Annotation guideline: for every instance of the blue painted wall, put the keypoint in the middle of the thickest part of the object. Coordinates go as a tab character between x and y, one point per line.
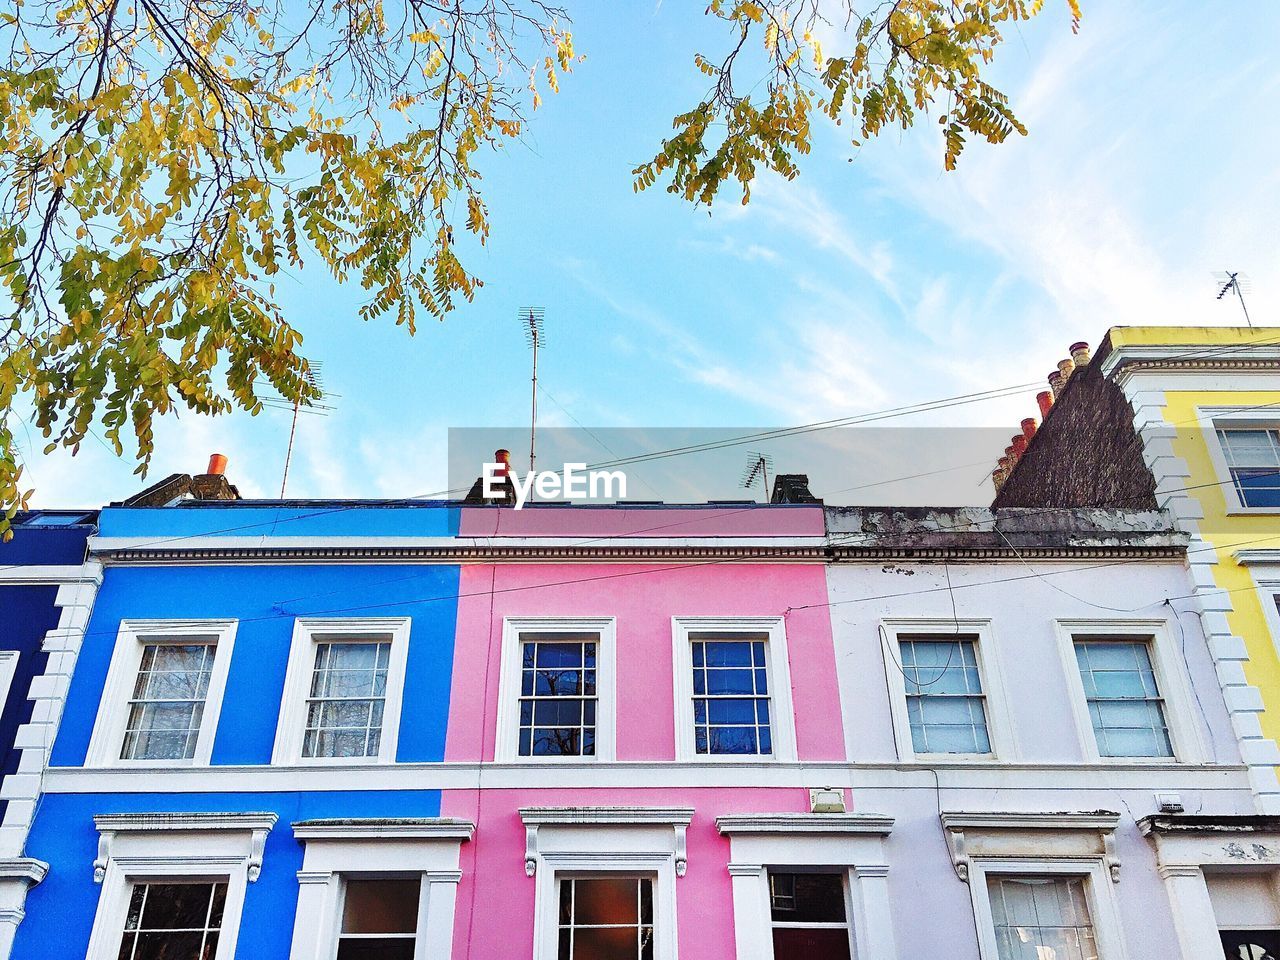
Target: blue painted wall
249	519
60	910
266	599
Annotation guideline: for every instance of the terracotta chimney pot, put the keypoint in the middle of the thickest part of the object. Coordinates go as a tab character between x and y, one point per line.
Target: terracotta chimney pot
1029	428
217	465
1045	399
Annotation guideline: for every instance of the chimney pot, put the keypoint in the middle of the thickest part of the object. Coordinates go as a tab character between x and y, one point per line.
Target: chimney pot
1056	383
217	465
1080	354
1045	399
1019	446
503	459
1066	368
1029	428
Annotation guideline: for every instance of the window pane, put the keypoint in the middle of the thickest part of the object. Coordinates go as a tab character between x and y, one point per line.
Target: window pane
380	906
607	901
557	695
945	706
801	943
731	694
1038	917
173	921
1249	448
168	701
1258	487
375	948
348	696
807	897
1124	702
606	918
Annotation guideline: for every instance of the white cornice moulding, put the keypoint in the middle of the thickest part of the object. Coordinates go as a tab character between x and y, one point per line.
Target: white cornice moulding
677	818
111	825
428	828
822	823
1173	358
1256	558
967	831
52	575
23	868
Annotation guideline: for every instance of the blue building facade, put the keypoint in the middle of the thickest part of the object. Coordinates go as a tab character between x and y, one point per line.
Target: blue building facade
213	582
46	593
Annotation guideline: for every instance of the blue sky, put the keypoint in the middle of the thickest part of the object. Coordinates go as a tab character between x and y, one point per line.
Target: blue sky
863	285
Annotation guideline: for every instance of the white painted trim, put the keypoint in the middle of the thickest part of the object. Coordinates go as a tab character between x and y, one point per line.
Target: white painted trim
600	841
507	736
1172	680
852	844
143	847
1257	557
335	851
1139	775
8	668
1000	727
113	713
782	721
52	575
1098	893
307	632
969	834
796	823
433	828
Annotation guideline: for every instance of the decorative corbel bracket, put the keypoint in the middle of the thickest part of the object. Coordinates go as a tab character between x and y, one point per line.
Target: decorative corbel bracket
682	849
959	854
530	849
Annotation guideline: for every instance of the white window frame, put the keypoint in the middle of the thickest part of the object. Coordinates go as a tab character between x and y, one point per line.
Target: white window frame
1099	896
1000	728
602	842
506	747
1213	419
852	844
8	670
338	850
107	739
307	633
1172	681
782	721
195	848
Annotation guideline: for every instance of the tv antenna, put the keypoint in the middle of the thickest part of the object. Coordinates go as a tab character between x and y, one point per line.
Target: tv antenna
531	320
758	467
1233	281
314	377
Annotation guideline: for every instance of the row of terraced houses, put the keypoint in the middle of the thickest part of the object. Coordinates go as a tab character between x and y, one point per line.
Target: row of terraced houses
334	730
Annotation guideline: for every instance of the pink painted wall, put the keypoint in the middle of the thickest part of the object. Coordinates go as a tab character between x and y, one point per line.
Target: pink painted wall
727	521
495	908
643	598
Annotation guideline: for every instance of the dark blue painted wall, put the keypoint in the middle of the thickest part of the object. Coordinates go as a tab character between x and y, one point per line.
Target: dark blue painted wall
60	910
266	600
27	613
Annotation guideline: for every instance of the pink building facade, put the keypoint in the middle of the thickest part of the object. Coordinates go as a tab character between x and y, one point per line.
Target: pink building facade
841	837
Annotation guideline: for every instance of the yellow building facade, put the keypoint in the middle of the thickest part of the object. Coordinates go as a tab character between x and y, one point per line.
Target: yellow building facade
1206	407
